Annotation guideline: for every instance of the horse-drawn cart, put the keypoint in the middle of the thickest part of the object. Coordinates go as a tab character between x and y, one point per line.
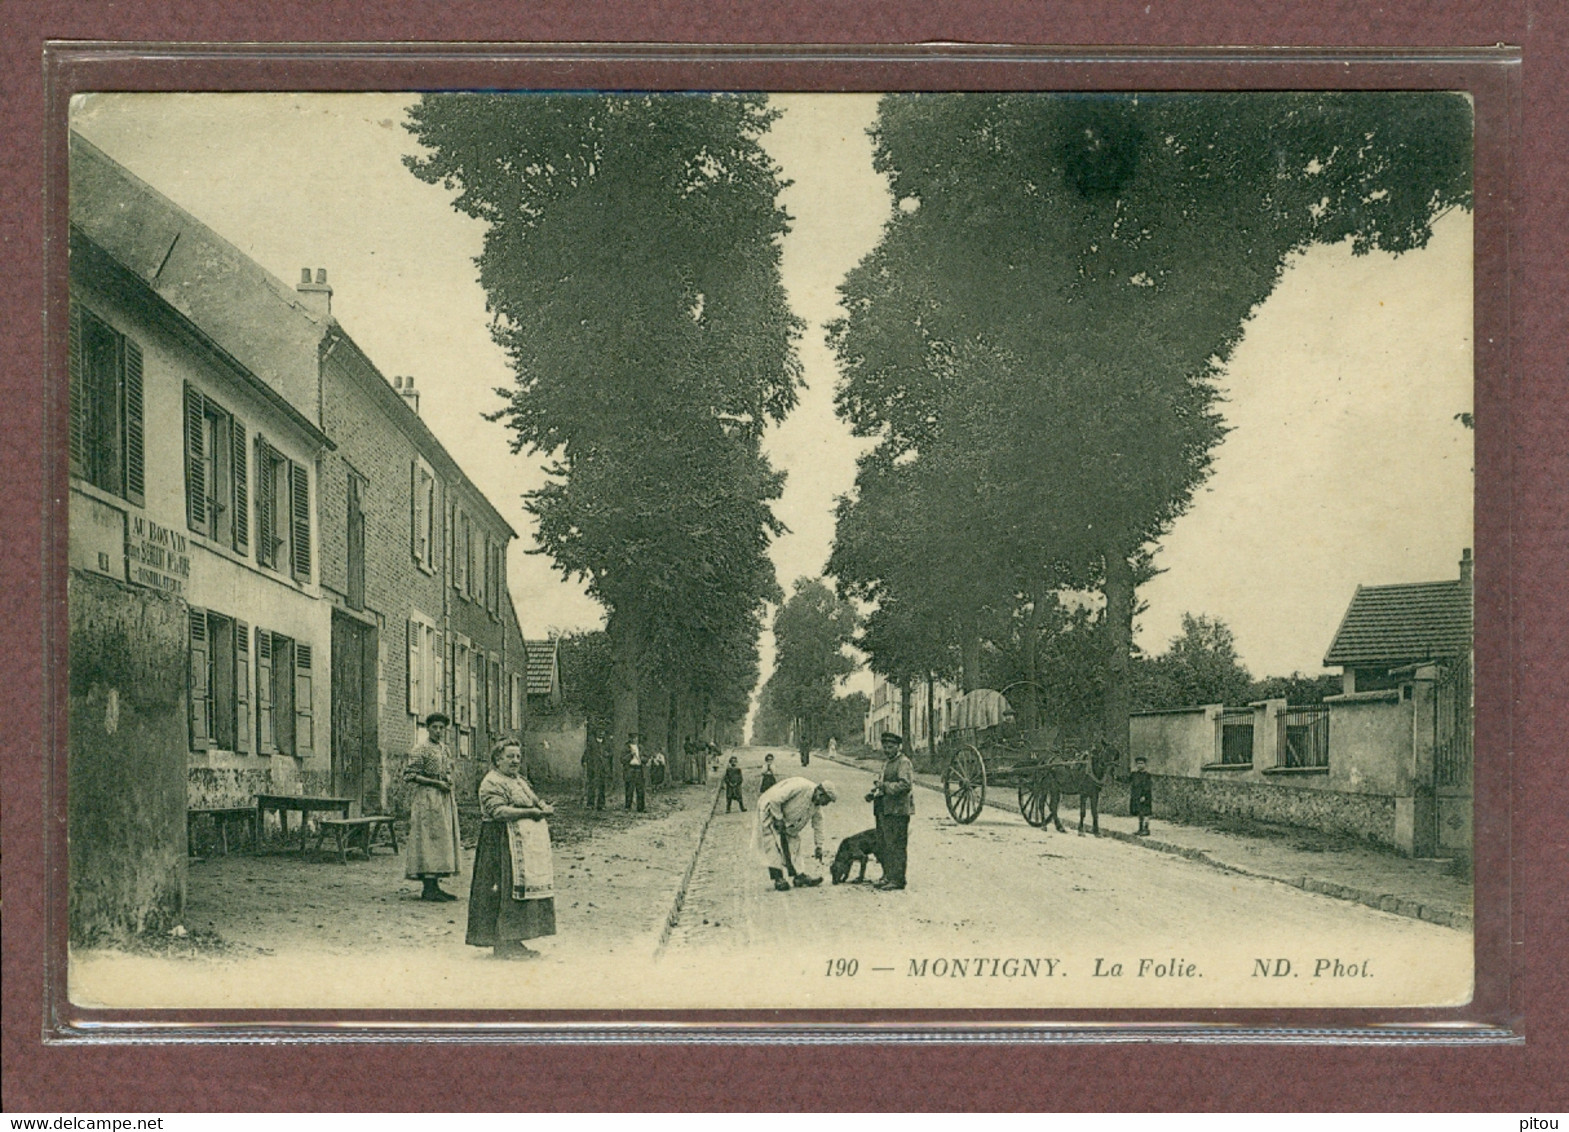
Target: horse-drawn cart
1040	770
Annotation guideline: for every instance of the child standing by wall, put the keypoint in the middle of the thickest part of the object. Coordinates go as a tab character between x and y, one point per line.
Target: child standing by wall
1141	795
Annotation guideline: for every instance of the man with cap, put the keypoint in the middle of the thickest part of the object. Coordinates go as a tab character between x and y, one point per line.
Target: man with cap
431	851
893	801
782	813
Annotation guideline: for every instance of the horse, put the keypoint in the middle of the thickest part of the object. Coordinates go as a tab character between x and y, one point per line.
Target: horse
1084	776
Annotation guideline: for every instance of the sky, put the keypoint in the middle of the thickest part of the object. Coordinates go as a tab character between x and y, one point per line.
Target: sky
1344	465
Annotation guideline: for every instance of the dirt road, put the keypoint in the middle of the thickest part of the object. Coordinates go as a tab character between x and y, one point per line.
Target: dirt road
998	889
996	915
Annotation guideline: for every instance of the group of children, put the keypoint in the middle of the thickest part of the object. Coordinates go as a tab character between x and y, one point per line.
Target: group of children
733	780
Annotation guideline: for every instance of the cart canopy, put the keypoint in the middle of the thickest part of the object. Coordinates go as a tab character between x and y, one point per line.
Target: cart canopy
981	709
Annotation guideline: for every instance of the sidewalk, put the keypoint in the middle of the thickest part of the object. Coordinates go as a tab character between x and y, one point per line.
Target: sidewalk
1305	859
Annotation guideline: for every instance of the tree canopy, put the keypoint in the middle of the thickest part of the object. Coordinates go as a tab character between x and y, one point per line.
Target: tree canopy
631	266
1039	332
811	630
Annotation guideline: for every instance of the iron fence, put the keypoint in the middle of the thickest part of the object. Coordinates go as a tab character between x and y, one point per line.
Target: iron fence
1304	737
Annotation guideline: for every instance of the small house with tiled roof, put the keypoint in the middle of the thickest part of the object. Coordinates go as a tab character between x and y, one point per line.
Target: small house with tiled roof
1389	629
544	675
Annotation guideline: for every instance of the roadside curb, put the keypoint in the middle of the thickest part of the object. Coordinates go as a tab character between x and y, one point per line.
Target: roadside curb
1383	901
674	915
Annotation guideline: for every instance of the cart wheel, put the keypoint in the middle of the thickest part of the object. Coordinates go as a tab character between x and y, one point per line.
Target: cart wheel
964	785
1033	799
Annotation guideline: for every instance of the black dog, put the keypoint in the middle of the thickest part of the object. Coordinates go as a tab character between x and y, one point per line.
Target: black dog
851	850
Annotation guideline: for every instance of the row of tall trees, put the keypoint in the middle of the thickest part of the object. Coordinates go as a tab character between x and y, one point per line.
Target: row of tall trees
801	703
631	265
1034	344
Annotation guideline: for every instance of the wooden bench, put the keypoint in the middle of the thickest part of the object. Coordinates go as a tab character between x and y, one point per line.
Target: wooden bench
221	817
348	831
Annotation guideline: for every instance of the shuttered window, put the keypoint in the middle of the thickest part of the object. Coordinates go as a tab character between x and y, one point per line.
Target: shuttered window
216	488
219	685
107	444
424	668
422	515
283	512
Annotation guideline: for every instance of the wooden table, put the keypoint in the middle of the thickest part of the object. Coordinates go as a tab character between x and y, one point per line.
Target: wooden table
306	804
221	817
349	830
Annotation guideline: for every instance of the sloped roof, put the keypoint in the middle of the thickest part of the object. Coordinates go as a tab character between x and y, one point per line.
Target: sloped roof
541	667
1403	623
246	310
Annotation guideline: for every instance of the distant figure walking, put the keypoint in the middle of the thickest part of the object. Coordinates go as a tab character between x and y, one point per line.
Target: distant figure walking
512	895
432	850
1141	795
733	786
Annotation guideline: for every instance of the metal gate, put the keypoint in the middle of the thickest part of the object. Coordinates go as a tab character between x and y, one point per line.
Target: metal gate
1452	704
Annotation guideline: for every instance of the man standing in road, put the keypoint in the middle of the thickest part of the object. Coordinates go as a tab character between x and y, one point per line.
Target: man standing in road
782	813
634	776
893	801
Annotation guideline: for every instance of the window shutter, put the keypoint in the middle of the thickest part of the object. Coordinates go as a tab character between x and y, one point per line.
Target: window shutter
416	701
242	687
304	705
437	665
265	743
475	691
266	488
414	510
195	468
78	395
300	520
200	684
242	487
135	454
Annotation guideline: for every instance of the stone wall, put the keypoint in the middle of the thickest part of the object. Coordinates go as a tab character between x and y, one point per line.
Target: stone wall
126	771
1368	816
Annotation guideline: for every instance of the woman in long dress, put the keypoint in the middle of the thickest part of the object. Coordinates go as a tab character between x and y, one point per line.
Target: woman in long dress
512	896
432	850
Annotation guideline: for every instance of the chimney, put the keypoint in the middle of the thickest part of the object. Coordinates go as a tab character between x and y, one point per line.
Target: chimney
406	390
1465	568
316	296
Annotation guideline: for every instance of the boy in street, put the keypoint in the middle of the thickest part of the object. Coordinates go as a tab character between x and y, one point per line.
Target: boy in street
1141	795
769	779
733	786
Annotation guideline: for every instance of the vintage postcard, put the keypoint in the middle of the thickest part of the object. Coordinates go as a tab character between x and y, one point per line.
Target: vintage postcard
583	552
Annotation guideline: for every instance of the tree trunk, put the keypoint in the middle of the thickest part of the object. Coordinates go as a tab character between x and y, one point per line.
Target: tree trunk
931	715
1032	633
625	648
970	646
1119	642
904	711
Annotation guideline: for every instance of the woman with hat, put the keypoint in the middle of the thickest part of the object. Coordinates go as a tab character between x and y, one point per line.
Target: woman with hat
512	895
432	850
